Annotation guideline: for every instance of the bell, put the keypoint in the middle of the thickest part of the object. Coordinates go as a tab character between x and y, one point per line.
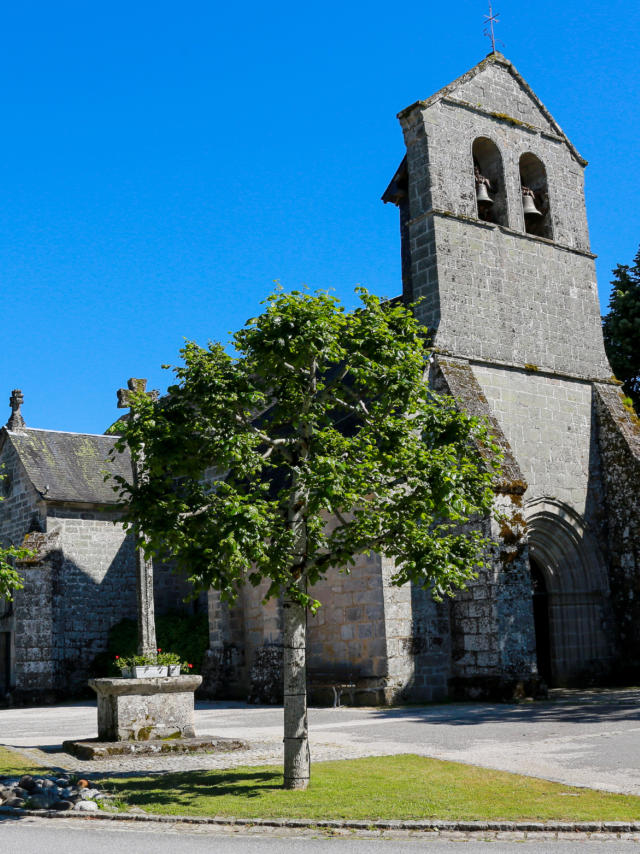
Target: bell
529	205
482	195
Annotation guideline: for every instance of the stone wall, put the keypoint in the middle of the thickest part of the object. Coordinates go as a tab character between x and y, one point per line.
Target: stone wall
349	629
36	632
493	647
224	668
20	512
619	440
262	640
98	587
22	509
548	425
516	299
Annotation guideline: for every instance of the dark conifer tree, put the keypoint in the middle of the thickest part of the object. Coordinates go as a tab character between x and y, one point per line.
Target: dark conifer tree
621	327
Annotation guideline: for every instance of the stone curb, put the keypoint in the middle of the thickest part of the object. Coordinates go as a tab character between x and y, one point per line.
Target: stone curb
348	824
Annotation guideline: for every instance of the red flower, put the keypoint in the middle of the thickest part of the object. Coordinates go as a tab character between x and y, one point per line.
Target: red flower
117	657
190	666
159	650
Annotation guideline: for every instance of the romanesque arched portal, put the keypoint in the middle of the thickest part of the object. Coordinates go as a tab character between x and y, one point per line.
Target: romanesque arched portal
567	570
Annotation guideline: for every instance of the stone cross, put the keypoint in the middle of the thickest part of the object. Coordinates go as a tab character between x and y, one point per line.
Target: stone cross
144	568
16	421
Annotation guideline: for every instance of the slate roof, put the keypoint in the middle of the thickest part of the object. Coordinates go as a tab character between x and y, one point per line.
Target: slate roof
69	466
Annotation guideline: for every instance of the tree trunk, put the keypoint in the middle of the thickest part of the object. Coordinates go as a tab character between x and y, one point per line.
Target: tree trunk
296	742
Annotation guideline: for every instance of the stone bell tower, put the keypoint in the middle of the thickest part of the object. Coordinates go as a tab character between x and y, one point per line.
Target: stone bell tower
498	285
495	246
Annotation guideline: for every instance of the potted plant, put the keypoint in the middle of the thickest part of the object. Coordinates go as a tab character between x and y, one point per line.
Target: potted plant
147	667
172	662
124	666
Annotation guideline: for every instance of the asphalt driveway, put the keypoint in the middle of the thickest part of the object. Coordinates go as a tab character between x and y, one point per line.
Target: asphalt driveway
589	739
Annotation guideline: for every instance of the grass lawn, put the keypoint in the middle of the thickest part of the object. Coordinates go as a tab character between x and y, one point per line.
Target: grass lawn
391	787
12	764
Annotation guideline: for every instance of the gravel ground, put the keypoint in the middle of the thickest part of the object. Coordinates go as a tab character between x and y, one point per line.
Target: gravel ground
579	738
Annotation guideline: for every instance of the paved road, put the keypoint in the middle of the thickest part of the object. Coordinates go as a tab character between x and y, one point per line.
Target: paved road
586	740
33	836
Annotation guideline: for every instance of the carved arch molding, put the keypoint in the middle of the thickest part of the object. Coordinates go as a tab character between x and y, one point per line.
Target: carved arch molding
580	624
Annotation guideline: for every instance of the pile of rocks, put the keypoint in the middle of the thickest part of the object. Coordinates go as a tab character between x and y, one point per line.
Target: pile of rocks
64	792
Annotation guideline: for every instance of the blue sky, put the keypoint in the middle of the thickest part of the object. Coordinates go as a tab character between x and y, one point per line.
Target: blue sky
162	164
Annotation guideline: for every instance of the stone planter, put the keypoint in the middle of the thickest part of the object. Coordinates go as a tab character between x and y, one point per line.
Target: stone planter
174	670
125	672
145	709
147	671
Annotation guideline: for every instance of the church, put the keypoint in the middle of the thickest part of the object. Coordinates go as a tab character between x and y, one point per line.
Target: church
494	245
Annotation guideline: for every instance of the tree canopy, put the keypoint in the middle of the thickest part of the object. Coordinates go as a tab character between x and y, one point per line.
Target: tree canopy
621	327
10	580
319	414
331	406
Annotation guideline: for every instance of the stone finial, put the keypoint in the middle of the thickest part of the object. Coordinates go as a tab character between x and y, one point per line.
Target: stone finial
16	421
137	386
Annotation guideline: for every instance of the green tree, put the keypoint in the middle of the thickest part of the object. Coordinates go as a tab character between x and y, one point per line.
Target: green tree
320	414
621	327
10	580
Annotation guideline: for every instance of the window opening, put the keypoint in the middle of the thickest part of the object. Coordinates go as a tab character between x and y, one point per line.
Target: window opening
488	175
535	197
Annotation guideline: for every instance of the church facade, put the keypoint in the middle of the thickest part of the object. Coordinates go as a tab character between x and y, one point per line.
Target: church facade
495	253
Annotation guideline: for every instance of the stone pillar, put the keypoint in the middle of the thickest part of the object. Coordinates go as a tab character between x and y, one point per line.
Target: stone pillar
397	629
493	638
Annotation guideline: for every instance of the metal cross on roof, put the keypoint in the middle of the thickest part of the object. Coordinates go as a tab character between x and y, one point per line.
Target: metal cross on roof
490	20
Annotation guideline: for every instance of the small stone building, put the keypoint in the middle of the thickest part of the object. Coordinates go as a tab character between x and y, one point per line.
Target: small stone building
82	578
495	245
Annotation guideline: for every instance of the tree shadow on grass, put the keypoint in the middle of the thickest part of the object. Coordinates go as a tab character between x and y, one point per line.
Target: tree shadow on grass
182	788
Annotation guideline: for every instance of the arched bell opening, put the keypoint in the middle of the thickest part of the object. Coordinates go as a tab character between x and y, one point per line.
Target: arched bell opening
535	196
570	597
491	200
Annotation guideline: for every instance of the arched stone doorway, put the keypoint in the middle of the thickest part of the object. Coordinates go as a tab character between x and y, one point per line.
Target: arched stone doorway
570	596
5	663
542	628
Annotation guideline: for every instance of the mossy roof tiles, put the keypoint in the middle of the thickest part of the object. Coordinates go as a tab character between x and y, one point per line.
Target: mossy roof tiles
70	467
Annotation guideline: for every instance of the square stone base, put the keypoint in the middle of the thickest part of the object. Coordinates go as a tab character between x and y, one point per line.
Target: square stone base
144	709
94	749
